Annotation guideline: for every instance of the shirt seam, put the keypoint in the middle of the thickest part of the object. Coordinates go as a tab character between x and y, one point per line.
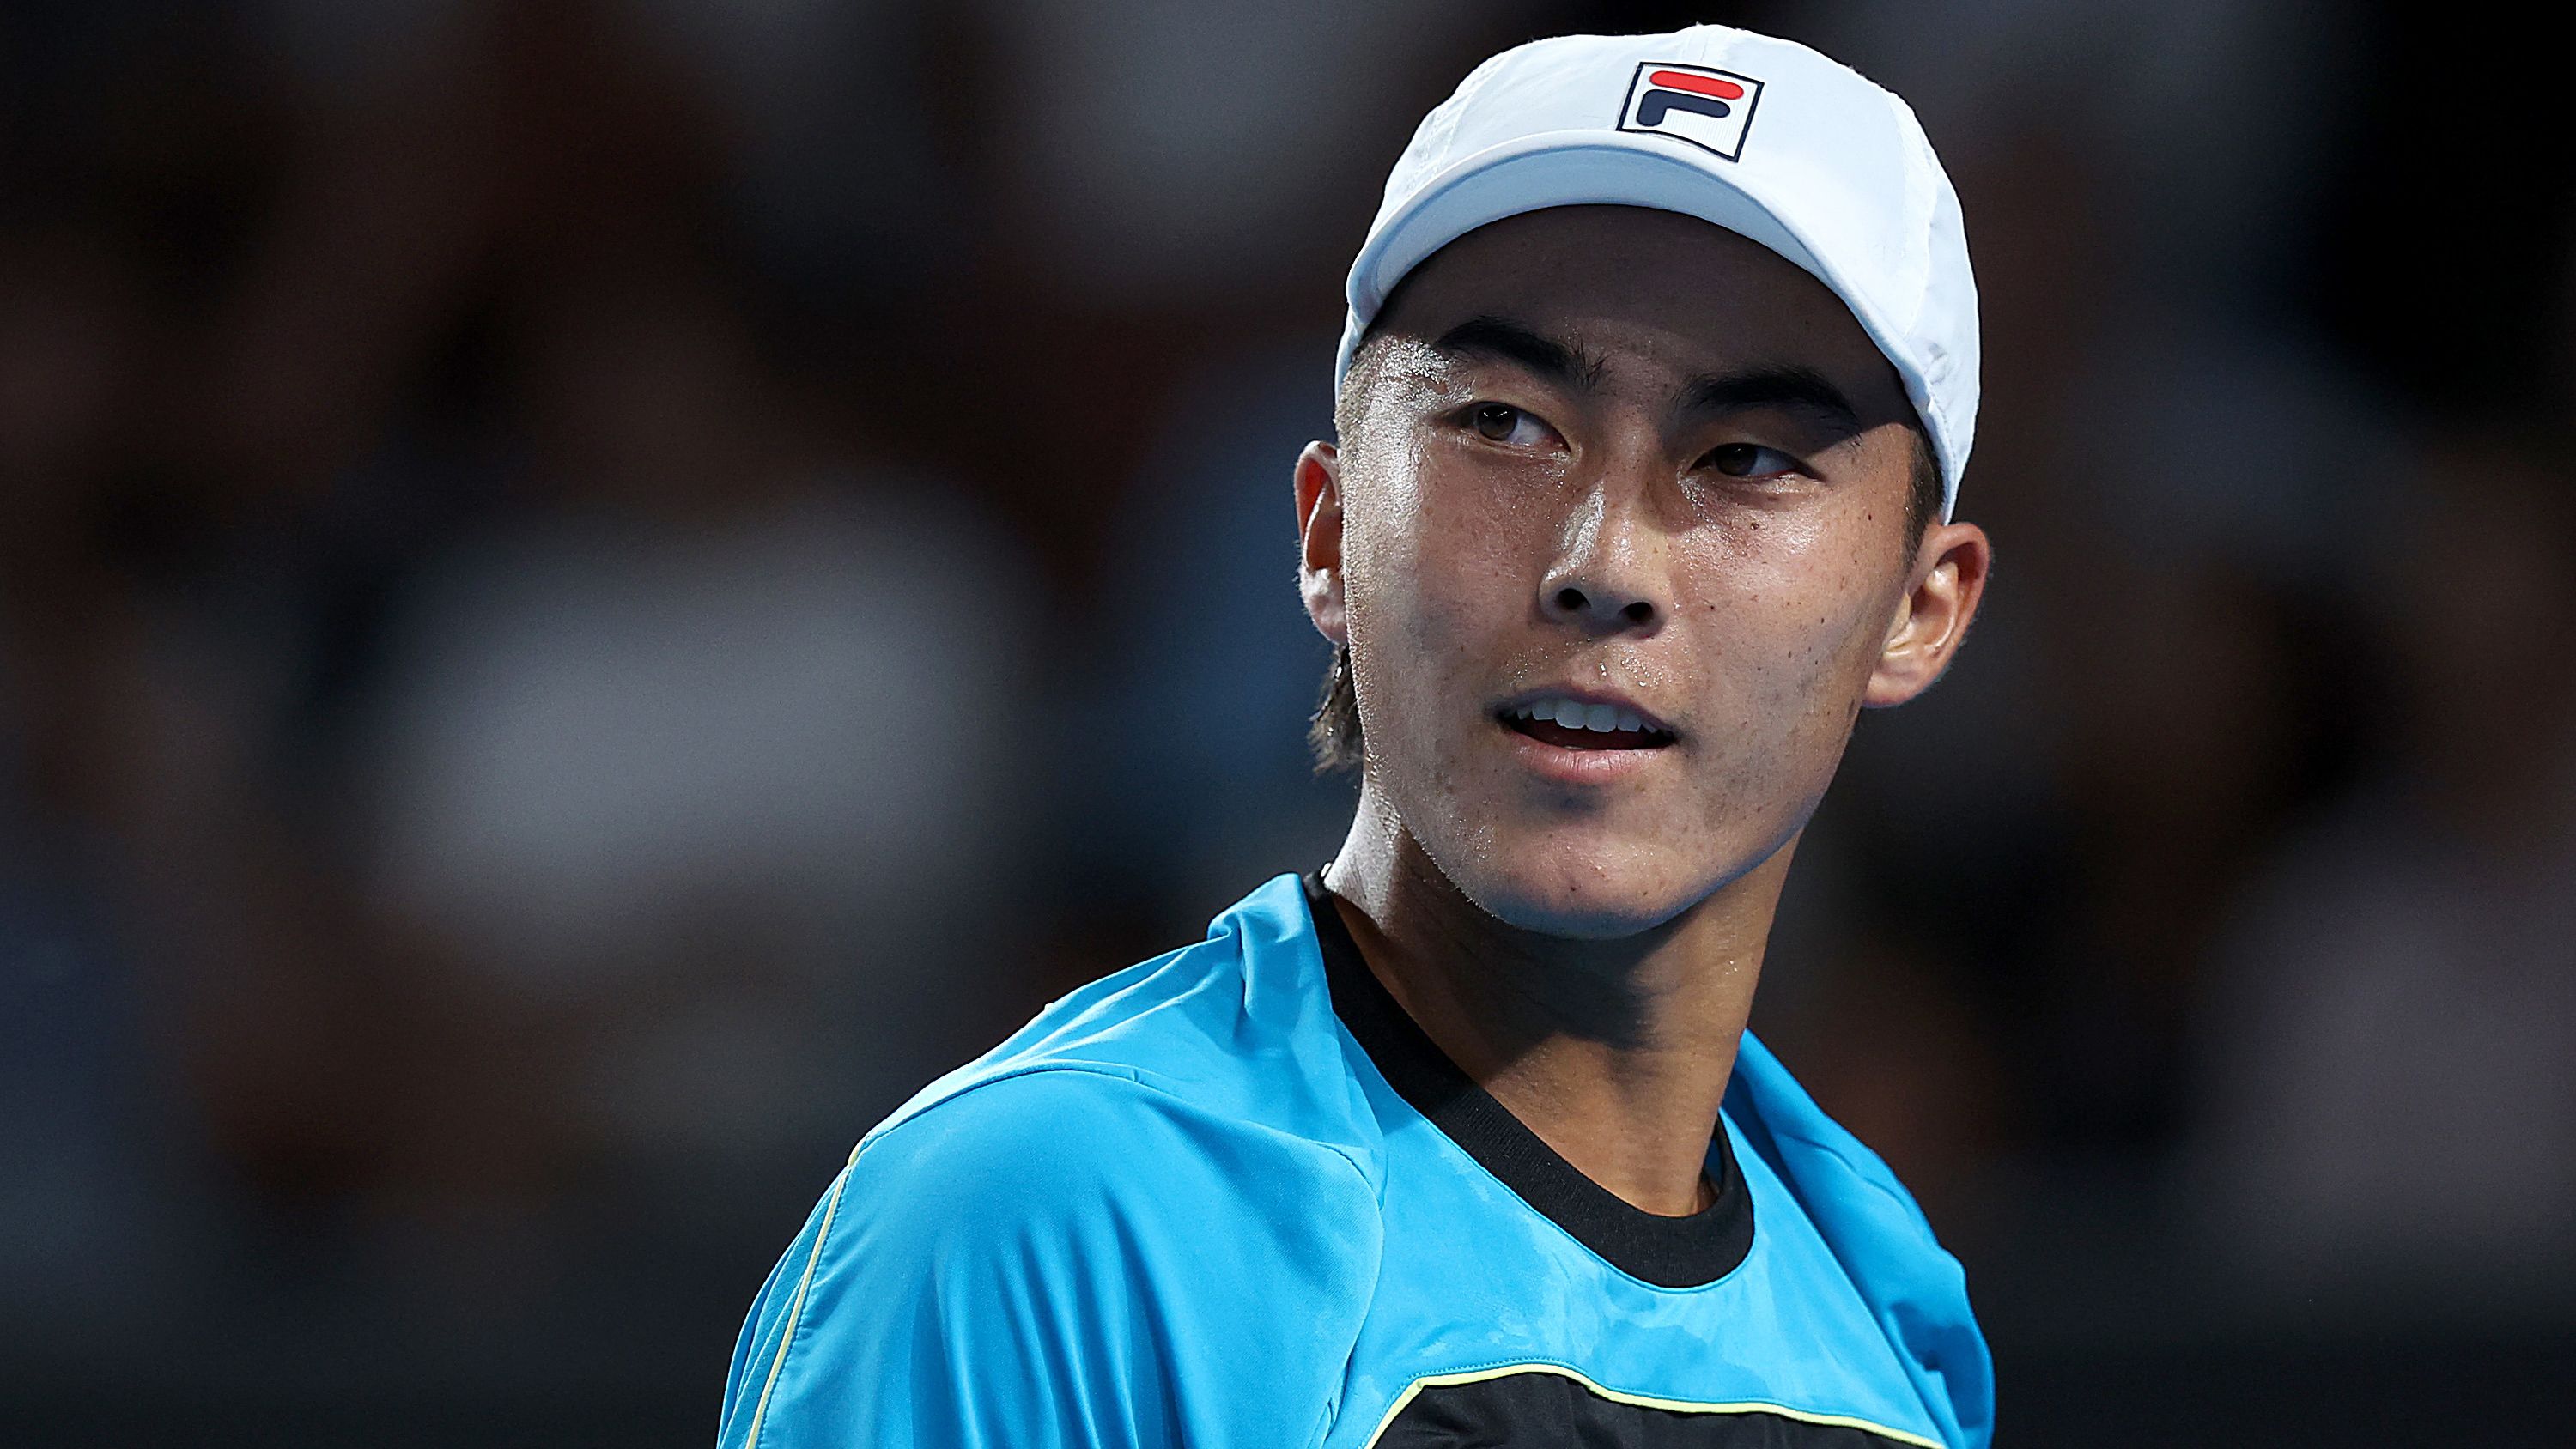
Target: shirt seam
1118	1073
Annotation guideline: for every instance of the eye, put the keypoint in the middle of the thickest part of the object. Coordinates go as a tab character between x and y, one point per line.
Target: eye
1506	424
1751	460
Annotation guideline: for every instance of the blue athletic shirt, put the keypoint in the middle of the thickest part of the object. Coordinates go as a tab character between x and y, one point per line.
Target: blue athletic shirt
1233	1196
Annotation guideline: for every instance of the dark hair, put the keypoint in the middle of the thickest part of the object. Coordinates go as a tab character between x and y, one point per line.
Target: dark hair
1334	734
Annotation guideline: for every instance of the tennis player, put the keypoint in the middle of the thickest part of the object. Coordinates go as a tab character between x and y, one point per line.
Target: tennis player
1660	372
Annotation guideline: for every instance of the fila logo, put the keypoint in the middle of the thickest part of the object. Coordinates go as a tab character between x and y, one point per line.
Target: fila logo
1708	108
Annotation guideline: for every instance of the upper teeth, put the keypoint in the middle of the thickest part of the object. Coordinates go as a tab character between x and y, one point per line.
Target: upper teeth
1576	715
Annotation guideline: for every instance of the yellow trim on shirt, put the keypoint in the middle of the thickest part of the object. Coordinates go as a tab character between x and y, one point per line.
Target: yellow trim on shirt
796	1308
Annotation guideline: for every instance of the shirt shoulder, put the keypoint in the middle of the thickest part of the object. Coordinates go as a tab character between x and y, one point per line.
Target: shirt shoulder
1048	1143
1064	1256
1239	1025
1145	1218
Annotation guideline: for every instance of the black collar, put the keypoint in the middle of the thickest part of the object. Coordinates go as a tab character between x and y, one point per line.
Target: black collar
1684	1252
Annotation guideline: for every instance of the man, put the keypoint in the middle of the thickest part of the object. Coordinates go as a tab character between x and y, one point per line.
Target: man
1658	380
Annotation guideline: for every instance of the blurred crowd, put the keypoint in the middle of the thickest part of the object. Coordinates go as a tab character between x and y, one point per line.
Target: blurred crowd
593	590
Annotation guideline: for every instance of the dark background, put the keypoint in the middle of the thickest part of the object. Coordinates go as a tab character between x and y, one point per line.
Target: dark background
591	593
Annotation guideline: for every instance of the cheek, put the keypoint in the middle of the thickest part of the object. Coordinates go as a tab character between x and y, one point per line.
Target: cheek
1435	564
1790	618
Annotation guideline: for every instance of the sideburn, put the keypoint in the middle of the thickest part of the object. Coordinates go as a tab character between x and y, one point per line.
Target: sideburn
1334	733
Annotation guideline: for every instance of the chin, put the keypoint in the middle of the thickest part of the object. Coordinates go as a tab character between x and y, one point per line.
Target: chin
1584	889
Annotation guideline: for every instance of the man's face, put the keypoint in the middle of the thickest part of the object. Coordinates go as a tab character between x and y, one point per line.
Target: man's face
1614	467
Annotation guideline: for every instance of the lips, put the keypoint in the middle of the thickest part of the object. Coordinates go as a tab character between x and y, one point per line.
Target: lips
1584	722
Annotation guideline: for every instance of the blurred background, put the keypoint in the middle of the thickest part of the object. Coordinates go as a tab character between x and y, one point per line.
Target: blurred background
592	592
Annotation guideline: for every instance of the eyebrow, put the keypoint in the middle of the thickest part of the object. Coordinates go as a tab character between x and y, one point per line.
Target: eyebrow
1527	347
1789	389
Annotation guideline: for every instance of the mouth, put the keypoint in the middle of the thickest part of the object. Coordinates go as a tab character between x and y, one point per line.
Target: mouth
1572	723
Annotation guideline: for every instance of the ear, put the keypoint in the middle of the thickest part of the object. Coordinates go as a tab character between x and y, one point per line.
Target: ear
1319	538
1940	601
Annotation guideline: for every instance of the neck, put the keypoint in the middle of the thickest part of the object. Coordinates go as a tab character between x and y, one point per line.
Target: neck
1615	1052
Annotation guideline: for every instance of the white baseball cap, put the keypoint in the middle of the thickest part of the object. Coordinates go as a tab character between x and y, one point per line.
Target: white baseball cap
1763	137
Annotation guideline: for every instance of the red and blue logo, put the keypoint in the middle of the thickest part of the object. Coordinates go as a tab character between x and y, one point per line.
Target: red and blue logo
1711	109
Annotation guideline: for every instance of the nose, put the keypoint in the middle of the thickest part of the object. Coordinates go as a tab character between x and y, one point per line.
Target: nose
1603	579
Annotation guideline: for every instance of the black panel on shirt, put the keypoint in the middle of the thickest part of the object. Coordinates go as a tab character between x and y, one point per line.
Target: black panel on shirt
1683	1252
1542	1410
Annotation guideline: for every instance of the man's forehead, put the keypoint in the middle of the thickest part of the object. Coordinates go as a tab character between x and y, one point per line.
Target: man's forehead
1606	279
1653	302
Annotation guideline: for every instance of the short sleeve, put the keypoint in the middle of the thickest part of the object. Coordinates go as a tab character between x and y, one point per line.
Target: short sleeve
1063	1258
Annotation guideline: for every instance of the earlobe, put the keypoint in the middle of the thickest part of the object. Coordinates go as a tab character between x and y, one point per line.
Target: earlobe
1948	582
1318	478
